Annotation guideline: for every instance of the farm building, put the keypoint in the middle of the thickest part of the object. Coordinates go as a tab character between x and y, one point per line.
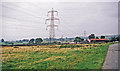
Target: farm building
99	40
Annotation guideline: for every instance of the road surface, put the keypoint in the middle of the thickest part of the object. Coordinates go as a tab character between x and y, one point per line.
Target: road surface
111	61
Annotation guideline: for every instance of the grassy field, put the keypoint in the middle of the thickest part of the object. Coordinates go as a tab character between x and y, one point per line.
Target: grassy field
82	56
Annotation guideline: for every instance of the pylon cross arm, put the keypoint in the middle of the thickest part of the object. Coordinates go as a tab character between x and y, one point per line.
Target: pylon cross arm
56	19
56	25
47	27
47	20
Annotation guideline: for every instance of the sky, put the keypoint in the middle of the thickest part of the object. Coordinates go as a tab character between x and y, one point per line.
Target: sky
25	20
59	0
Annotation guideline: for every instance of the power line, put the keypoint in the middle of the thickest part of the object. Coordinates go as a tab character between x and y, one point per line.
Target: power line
13	9
66	25
19	19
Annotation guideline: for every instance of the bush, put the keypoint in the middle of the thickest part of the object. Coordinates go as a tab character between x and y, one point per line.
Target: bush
77	46
62	46
70	46
87	45
15	47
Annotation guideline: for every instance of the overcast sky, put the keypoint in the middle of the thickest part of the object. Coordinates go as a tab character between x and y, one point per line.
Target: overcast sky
27	19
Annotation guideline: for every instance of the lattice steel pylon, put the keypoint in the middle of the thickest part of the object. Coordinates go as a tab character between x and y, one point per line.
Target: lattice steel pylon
52	18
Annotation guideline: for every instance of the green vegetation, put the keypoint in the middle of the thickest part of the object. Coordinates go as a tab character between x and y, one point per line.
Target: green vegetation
82	56
71	46
78	39
38	40
92	36
102	37
31	41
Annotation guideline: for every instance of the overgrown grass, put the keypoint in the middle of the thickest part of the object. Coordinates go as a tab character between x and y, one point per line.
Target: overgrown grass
89	56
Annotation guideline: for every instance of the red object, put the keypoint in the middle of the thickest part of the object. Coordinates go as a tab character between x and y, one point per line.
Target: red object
98	40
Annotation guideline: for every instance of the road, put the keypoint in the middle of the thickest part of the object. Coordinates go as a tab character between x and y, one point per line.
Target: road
111	61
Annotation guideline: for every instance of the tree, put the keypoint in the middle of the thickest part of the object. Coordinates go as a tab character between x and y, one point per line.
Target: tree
38	40
113	39
97	38
2	40
6	42
92	36
12	43
118	38
102	37
77	39
31	41
82	39
25	40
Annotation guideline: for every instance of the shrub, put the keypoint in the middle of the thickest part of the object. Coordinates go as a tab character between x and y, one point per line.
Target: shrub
77	46
70	46
87	45
62	46
15	47
65	46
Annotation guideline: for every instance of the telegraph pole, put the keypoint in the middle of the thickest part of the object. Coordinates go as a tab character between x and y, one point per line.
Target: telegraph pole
52	18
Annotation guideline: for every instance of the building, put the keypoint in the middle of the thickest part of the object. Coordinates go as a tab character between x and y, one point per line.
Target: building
99	40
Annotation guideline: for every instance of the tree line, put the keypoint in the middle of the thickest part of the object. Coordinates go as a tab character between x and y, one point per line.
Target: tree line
92	36
38	41
35	41
32	41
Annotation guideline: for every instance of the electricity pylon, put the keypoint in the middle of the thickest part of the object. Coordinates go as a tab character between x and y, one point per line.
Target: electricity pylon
84	35
52	18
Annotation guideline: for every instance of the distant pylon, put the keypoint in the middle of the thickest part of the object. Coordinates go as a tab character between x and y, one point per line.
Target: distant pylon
52	18
84	35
